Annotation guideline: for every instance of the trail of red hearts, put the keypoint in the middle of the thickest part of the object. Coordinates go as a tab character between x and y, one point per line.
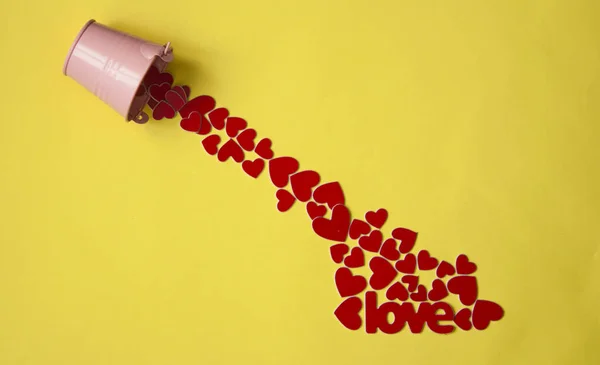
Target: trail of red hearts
392	263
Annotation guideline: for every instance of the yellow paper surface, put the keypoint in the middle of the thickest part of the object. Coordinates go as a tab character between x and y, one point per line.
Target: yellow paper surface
475	123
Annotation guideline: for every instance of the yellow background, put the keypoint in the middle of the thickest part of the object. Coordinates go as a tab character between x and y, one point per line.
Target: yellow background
475	123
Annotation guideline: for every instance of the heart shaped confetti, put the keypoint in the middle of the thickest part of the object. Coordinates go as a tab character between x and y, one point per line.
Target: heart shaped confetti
388	249
412	281
211	144
336	228
464	266
407	265
330	194
286	200
338	251
155	77
463	319
281	168
315	210
246	139
359	228
217	118
302	184
233	125
158	92
485	312
192	123
420	295
348	313
349	284
356	258
174	99
444	269
378	218
425	261
465	287
397	291
406	237
181	90
163	110
372	242
231	149
201	104
263	149
253	168
438	291
383	273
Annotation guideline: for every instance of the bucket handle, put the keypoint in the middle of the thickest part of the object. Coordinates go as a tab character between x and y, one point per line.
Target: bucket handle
141	118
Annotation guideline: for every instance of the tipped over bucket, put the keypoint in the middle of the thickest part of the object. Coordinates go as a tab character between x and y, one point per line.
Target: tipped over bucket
112	65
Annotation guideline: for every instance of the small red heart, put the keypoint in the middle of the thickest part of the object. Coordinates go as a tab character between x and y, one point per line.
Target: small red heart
158	92
211	144
356	258
174	99
412	281
303	182
484	312
338	251
182	92
315	210
348	284
463	319
202	104
464	266
246	139
217	118
281	168
336	228
263	149
378	218
372	242
155	77
383	273
388	250
406	237
348	313
330	193
163	110
426	262
465	287
359	228
397	291
204	126
444	269
231	149
420	295
233	125
193	123
286	200
253	168
438	290
187	91
407	265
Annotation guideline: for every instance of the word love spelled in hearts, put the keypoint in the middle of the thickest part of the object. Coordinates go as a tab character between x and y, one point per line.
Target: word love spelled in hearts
393	284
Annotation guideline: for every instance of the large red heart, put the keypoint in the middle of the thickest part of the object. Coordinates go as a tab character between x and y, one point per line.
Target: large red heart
338	251
158	92
372	242
336	228
484	312
246	139
359	228
330	193
465	287
463	319
286	200
406	237
464	266
302	184
420	295
231	149
202	104
155	77
192	123
348	284
281	168
388	249
315	210
217	118
253	168
211	144
174	99
383	273
426	262
163	110
438	290
412	281
397	291
356	258
444	269
234	125
348	313
378	218
407	265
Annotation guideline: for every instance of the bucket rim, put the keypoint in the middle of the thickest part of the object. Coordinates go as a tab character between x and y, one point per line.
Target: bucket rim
72	48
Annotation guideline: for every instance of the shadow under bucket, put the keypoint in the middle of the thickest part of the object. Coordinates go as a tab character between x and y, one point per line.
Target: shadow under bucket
112	65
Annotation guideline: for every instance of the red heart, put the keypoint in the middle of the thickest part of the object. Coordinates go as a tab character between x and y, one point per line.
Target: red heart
397	291
412	281
330	193
348	313
281	168
202	104
338	252
204	126
377	219
406	237
444	269
426	262
383	273
158	92
465	287
253	168
234	125
484	312
359	228
438	290
154	77
182	92
372	242
286	200
356	258
463	319
174	99
211	144
231	149
263	149
163	110
388	250
348	284
315	210
464	266
217	118
303	182
246	139
407	265
336	228
186	90
420	295
192	123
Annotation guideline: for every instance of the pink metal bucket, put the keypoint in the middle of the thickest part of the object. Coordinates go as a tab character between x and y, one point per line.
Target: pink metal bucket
113	64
